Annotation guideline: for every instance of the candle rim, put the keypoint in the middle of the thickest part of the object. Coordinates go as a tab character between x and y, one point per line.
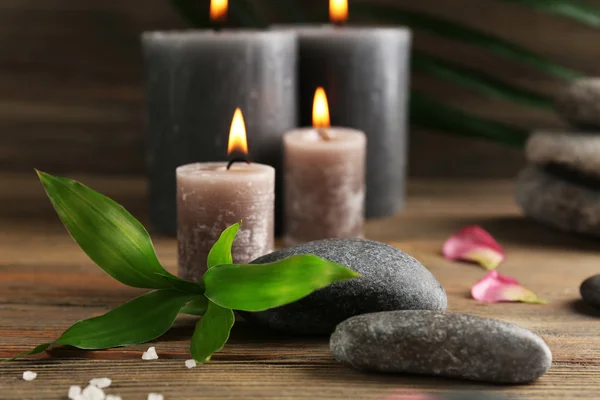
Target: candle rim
184	35
214	168
304	30
352	138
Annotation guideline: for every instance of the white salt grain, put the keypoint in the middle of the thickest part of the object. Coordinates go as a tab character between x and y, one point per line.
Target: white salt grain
101	383
74	392
150	354
112	397
92	393
155	396
190	363
29	375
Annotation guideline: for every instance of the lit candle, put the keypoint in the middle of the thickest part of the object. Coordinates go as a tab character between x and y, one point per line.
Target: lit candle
194	79
214	195
338	11
324	179
218	10
365	71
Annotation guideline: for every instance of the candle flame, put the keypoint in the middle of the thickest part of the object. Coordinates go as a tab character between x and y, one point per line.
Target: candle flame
218	10
237	135
321	110
338	11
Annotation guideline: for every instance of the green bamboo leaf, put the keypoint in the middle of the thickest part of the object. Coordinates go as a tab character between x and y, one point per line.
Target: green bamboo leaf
465	34
220	253
478	81
109	235
137	321
258	287
36	350
431	114
196	306
212	332
581	12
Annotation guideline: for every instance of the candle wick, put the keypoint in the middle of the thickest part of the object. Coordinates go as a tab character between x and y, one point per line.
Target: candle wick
219	24
324	134
237	159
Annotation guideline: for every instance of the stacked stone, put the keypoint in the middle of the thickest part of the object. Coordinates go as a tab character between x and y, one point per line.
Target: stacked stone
561	186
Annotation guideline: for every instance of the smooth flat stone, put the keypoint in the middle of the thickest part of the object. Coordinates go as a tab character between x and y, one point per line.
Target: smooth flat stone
579	103
578	151
590	291
565	205
442	344
390	280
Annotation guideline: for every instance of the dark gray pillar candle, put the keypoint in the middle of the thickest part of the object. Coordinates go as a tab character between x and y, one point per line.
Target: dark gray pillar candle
365	72
195	81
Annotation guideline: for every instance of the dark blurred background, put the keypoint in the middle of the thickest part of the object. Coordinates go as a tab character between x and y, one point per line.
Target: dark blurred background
72	99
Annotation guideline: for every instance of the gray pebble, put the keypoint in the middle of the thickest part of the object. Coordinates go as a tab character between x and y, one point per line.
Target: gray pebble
443	344
590	291
390	280
557	202
579	103
578	151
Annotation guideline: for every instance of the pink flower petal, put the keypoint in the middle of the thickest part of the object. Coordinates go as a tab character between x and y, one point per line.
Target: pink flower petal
473	243
495	288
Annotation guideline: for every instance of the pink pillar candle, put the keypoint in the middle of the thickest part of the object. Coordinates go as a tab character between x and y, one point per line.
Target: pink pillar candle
324	184
210	198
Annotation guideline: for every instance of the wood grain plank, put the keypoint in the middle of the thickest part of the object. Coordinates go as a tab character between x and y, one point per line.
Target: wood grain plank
47	283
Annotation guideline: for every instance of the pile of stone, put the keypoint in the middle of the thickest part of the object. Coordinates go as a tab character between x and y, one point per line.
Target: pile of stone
561	186
393	319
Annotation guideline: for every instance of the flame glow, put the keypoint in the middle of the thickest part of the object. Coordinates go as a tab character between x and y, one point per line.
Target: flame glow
321	110
237	135
338	11
218	10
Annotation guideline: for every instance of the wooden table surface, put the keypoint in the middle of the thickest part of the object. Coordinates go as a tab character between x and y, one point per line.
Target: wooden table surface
47	283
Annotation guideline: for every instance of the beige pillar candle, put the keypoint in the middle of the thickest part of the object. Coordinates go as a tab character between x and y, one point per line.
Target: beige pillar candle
211	197
324	179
